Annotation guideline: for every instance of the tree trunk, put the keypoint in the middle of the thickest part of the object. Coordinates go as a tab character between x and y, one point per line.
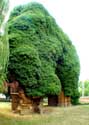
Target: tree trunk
52	100
37	107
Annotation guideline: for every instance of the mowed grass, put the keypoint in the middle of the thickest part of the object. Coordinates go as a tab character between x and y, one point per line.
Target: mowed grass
74	115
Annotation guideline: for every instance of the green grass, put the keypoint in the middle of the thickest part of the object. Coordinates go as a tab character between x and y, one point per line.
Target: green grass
74	115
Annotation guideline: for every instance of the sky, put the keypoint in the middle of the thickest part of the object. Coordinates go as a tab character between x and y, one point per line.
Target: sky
73	17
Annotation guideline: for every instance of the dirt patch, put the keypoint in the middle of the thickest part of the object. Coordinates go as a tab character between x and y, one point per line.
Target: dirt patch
5	109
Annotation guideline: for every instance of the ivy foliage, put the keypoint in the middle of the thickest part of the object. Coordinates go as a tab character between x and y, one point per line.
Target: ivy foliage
42	57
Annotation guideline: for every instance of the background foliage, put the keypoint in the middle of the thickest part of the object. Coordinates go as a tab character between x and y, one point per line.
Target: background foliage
4	47
86	88
3	9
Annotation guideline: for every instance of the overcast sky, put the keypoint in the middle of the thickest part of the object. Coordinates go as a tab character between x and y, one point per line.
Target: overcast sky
73	17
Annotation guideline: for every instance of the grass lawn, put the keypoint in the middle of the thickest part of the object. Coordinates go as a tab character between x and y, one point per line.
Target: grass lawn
74	115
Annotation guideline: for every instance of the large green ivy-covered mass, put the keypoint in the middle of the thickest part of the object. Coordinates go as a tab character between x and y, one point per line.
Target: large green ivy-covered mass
42	57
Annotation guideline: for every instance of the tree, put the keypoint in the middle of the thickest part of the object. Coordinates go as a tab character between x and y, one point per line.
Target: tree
42	57
3	9
4	47
84	88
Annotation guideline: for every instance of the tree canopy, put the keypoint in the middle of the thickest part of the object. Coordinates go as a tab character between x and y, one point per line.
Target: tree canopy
42	57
